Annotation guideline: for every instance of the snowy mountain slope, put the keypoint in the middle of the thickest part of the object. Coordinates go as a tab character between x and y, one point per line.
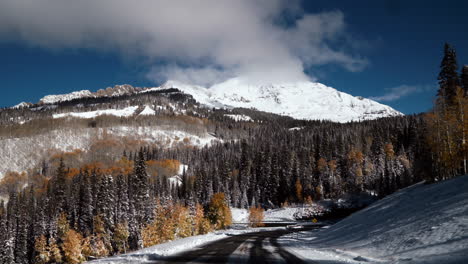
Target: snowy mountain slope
419	224
50	99
16	154
301	100
110	91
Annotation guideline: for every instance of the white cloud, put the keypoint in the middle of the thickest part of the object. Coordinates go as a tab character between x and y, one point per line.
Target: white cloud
398	92
241	37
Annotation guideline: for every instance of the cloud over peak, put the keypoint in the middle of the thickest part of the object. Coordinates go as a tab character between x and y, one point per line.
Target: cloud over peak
199	41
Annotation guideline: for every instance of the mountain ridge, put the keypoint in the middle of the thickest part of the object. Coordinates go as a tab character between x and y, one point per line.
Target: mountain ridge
299	100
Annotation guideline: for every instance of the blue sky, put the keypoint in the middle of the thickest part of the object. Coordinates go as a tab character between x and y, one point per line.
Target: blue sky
401	43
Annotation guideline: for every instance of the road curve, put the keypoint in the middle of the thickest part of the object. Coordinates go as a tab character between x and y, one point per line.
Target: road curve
256	247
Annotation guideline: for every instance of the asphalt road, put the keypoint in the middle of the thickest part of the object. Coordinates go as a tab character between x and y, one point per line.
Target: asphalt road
257	247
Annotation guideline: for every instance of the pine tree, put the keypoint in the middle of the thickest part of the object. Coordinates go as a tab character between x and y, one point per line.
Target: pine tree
448	76
464	79
60	187
85	205
139	189
106	201
122	206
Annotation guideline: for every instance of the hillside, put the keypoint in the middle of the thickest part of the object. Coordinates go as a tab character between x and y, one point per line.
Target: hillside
424	223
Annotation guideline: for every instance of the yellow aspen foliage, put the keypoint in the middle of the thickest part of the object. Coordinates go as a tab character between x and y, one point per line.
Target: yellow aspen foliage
298	187
62	225
318	192
13	181
99	225
150	235
42	251
182	221
120	238
86	248
219	213
256	215
100	246
198	220
54	251
447	134
205	226
321	164
72	247
388	148
332	164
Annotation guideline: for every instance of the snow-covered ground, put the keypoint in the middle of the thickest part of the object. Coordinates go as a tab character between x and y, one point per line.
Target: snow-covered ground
240	215
148	111
419	224
126	112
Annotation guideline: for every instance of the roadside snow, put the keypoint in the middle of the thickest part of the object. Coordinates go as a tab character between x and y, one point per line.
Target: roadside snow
281	215
240	215
419	224
150	254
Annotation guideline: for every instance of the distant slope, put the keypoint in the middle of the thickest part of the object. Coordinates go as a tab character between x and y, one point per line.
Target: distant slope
300	100
419	224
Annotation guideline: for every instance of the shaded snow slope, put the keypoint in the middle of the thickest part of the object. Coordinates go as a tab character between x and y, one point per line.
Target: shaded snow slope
419	224
301	100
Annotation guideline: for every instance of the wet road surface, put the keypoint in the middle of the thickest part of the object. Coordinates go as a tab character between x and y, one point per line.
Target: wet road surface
257	247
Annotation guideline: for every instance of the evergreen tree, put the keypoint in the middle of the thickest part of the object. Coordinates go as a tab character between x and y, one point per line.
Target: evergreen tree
464	79
448	76
105	206
85	205
139	189
60	187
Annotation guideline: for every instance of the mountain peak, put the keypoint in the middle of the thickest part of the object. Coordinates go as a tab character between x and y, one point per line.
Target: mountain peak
300	100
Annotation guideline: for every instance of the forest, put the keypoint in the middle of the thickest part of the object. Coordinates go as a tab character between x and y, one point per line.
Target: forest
109	200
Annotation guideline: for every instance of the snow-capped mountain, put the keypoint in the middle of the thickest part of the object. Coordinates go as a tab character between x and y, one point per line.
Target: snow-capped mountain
300	100
110	91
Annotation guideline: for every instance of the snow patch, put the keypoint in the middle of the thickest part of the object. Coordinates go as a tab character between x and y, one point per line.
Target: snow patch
126	112
148	111
240	215
238	118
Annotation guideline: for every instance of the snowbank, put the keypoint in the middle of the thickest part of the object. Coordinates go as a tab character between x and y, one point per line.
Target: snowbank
240	215
281	215
419	224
